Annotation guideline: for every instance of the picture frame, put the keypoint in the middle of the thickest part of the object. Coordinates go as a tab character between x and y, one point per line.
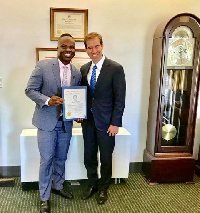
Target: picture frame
75	106
79	59
68	20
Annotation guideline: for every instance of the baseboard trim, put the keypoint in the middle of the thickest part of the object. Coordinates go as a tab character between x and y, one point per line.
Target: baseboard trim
6	172
27	186
135	167
15	171
10	171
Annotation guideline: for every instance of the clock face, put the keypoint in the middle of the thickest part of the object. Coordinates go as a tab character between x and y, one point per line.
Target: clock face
181	48
180	52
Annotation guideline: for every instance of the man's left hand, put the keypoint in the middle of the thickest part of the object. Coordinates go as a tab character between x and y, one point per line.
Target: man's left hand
112	130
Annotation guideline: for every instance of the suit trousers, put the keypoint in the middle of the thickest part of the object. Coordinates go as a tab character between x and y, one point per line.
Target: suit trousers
95	140
53	147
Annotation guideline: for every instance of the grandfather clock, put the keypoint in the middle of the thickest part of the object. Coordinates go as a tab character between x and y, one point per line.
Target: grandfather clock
173	101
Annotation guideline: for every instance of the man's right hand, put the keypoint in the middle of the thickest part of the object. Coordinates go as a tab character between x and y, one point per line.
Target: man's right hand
55	101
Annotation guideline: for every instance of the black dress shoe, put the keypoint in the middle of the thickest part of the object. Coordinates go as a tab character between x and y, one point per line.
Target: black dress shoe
63	193
88	192
45	206
102	197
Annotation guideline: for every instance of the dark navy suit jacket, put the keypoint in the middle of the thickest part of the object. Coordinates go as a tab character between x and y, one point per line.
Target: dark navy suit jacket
108	100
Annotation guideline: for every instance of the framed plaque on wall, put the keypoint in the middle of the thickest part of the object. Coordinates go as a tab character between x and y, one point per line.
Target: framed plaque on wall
79	59
68	20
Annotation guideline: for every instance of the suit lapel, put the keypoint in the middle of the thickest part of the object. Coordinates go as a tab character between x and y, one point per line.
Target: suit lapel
86	73
56	72
103	73
72	82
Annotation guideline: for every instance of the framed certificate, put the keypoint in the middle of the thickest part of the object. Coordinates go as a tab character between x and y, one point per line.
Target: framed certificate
75	105
79	59
68	20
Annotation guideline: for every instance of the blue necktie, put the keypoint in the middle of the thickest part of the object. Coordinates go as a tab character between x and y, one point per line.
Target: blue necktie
93	79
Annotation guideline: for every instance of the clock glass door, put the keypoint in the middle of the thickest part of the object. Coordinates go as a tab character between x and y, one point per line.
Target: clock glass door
176	89
176	104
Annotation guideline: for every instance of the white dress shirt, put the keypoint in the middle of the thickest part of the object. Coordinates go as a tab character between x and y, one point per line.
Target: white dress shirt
99	66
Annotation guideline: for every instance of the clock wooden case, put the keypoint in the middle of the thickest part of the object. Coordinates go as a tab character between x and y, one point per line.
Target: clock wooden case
173	101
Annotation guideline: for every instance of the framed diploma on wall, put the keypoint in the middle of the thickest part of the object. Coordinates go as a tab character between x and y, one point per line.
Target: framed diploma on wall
79	59
68	20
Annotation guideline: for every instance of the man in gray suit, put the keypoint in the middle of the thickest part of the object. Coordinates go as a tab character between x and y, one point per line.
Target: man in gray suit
106	88
54	135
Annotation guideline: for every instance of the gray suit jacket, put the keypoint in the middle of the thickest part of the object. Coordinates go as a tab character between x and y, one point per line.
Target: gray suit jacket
44	83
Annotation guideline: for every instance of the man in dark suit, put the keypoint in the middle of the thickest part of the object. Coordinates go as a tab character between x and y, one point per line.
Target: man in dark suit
54	135
106	84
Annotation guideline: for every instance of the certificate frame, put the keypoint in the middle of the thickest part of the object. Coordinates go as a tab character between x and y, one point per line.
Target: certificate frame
79	59
81	96
68	20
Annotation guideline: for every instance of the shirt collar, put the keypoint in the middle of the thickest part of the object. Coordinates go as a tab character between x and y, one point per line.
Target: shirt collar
100	63
61	65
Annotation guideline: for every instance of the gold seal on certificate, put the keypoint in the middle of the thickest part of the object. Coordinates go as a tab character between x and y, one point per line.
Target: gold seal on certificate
69	114
59	32
75	103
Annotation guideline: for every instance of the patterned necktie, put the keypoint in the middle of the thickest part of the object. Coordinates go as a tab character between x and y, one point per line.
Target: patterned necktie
93	79
65	81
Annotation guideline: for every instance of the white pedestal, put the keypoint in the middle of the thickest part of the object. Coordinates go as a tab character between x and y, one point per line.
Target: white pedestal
75	169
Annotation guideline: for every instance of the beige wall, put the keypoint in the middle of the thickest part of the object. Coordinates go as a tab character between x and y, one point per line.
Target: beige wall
127	28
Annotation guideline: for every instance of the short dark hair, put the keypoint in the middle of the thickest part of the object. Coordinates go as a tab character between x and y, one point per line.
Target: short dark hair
91	36
66	34
63	35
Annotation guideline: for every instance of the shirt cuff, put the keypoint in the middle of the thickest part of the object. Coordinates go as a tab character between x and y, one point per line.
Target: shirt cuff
47	101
